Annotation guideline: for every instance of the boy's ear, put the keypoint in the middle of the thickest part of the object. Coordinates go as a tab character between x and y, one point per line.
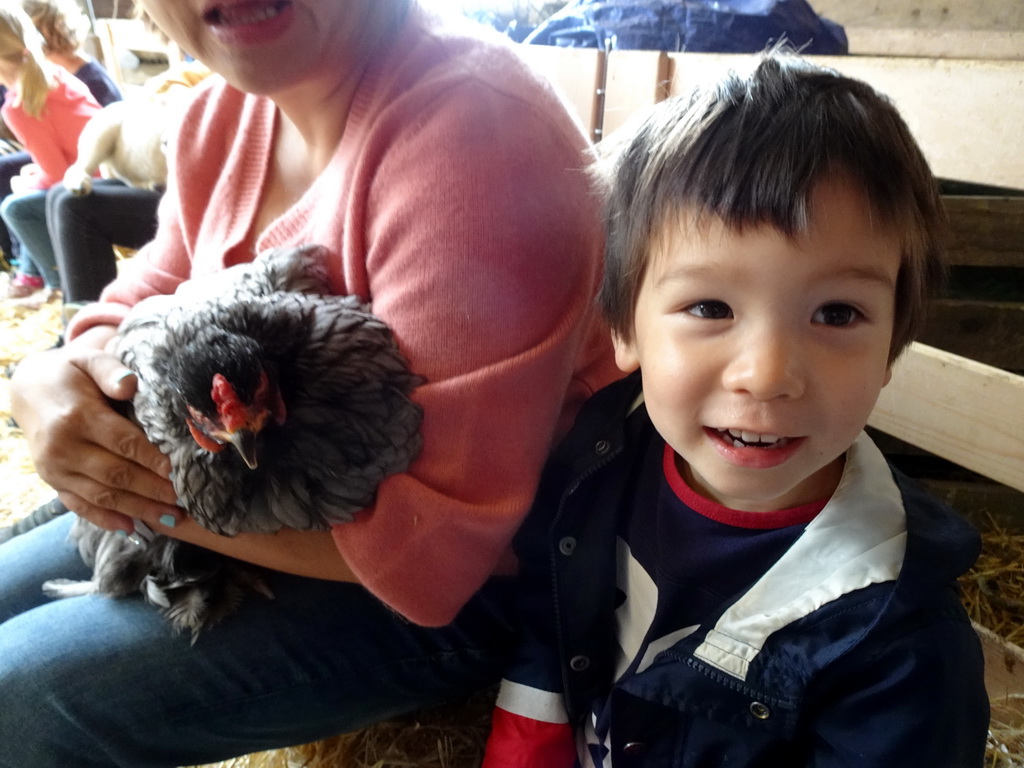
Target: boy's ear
888	375
626	357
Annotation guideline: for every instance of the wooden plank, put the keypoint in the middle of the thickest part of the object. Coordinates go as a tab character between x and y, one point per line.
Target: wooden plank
986	231
965	113
635	80
1004	673
577	74
960	14
961	410
989	332
936	43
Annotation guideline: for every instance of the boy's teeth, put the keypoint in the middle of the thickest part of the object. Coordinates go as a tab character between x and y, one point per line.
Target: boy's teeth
741	438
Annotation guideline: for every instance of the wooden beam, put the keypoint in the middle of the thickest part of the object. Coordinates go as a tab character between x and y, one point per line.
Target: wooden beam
986	231
965	113
936	43
961	410
991	332
577	74
636	80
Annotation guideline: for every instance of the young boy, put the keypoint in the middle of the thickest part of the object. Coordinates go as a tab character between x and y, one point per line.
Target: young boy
721	569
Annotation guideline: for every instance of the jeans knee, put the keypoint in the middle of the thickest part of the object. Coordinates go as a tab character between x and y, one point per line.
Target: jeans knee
34	722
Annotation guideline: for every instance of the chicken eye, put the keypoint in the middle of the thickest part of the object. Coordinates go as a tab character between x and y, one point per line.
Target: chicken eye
836	314
709	309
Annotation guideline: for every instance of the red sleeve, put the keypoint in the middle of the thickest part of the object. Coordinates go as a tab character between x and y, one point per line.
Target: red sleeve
521	742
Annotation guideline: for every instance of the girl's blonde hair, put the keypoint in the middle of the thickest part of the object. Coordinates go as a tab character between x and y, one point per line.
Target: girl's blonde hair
61	23
21	43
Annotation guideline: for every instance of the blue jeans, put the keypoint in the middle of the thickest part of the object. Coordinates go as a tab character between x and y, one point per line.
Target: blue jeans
95	681
25	216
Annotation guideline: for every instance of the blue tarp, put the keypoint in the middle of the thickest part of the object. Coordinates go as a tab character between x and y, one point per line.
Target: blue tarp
722	26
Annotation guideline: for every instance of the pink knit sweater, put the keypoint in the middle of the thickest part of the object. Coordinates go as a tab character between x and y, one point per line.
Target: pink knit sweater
458	205
52	138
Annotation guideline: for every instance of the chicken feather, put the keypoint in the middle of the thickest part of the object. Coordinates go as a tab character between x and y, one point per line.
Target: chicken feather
346	422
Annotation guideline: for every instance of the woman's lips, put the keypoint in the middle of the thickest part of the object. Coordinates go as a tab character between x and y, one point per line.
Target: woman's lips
250	23
242	14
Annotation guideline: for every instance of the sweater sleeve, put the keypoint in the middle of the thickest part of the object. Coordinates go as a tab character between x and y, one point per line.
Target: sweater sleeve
483	257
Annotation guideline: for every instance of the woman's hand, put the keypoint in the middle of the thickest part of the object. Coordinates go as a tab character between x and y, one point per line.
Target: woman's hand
100	462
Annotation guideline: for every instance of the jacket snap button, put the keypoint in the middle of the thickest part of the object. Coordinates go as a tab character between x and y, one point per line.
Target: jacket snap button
759	710
567	545
579	663
634	748
602	447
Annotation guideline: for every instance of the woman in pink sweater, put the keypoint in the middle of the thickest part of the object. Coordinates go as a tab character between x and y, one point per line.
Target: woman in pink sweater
448	182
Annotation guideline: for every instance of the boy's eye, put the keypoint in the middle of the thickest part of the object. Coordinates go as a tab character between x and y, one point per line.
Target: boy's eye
710	309
836	314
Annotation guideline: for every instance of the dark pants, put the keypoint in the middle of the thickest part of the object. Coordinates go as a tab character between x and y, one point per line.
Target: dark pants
10	166
85	228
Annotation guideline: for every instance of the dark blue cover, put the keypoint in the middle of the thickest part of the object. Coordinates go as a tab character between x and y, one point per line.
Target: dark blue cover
704	26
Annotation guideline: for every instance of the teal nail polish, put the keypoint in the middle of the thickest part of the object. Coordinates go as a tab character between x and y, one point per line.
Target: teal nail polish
124	376
168	521
121	534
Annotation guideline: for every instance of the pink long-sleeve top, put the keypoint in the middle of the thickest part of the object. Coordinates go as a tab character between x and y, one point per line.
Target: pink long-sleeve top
457	203
52	138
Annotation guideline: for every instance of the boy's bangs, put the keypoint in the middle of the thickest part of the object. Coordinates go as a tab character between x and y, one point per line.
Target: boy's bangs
753	150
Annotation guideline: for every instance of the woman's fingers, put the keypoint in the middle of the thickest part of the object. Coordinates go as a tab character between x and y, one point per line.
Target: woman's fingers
81	445
104	518
114	378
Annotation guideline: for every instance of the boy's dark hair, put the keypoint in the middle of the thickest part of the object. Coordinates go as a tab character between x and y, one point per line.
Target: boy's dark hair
749	151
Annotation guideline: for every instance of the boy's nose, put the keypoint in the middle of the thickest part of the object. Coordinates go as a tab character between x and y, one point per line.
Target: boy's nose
767	367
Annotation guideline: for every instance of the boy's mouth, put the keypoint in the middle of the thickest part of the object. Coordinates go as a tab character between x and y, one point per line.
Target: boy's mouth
241	14
743	439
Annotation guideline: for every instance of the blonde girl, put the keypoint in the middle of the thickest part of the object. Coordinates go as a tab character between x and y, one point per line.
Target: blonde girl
46	107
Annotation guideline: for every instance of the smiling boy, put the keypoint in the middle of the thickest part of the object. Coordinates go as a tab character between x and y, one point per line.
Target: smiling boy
720	567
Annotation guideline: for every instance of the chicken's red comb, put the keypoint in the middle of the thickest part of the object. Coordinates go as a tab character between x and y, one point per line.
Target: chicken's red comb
232	411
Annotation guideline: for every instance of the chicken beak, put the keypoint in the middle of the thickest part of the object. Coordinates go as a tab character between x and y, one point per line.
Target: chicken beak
244	441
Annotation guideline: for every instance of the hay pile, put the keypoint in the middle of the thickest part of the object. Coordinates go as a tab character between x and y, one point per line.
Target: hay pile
994	587
446	736
993	592
24	327
452	736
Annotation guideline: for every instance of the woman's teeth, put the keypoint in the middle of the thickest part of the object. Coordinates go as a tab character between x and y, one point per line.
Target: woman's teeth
249	13
743	439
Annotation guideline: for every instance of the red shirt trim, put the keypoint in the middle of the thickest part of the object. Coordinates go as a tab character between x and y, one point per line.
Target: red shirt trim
781	518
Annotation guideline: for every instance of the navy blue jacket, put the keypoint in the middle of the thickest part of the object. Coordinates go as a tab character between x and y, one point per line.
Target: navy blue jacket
853	650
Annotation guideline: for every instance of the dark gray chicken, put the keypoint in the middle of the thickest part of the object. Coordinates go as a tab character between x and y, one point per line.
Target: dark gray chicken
278	405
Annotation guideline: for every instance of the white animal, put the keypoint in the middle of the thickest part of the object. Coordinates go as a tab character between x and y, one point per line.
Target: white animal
125	140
